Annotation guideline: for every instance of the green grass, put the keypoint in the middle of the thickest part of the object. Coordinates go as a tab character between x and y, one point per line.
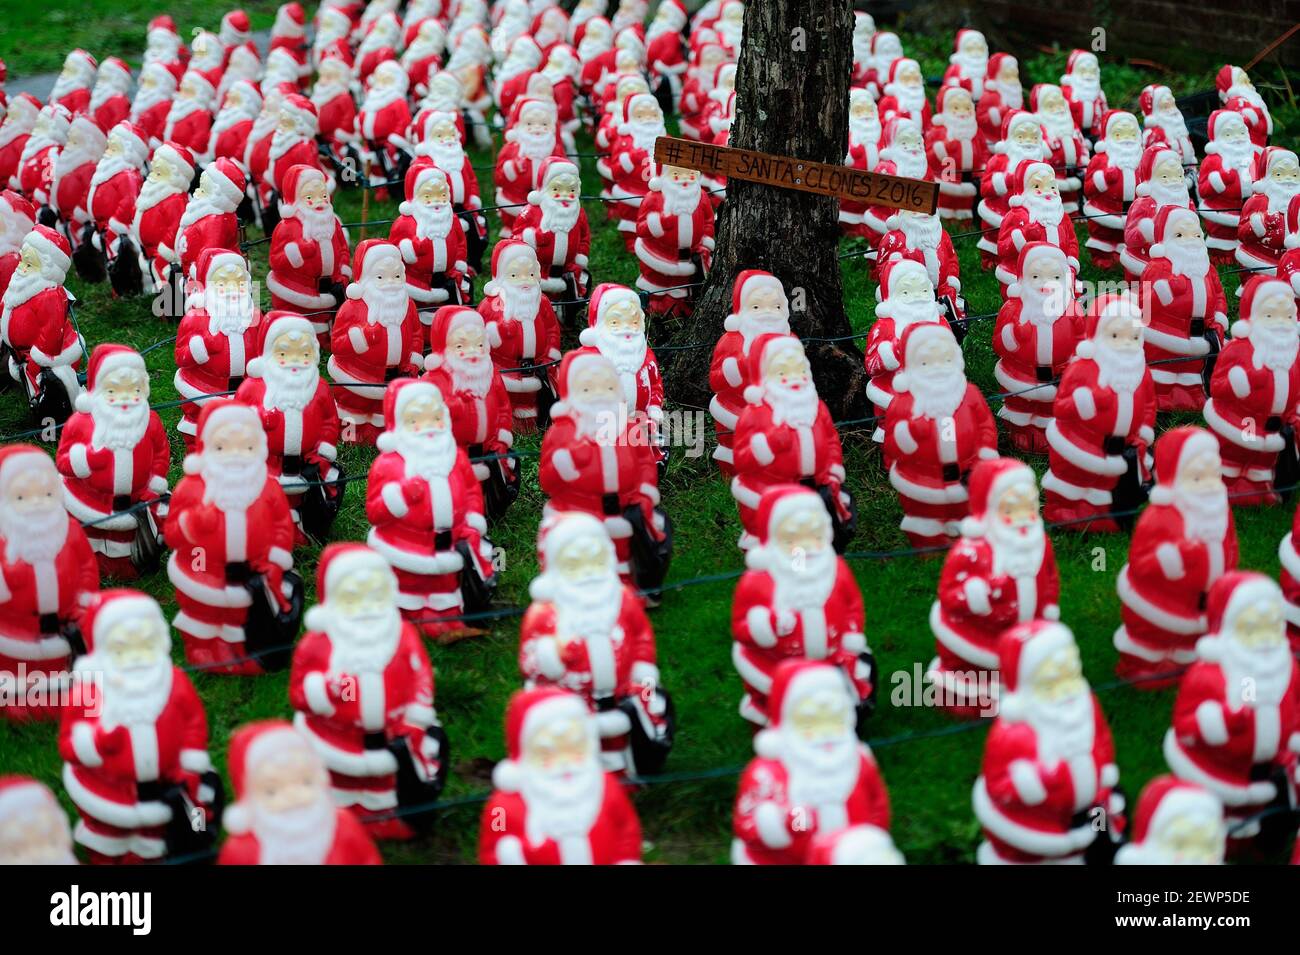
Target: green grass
929	762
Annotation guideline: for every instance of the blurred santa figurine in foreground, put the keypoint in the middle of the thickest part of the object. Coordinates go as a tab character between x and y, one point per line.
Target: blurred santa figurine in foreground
33	827
1224	181
1262	230
555	225
1176	823
1110	186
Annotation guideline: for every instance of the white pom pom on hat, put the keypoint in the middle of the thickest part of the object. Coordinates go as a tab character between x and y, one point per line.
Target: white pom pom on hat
731	323
767	744
507	776
588	337
753	394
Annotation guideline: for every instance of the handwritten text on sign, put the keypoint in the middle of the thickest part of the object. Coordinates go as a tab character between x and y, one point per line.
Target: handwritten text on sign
804	175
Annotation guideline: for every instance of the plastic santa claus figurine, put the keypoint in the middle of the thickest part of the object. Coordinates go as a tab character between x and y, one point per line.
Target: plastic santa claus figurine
17	216
441	142
999	93
904	94
15	131
49	572
158	210
285	812
587	631
299	417
1160	183
864	30
1022	139
115	185
73	170
1288	267
956	150
1035	213
189	121
1038	328
153	100
863	154
1238	93
289	30
210	220
336	108
234	120
523	332
1103	422
902	153
431	239
425	42
309	251
426	510
1046	792
1253	395
1175	823
230	531
109	104
1262	229
632	158
705	60
44	348
114	457
810	776
530	138
1162	122
377	337
555	225
552	801
920	236
74	83
293	142
1236	722
1002	573
1184	541
664	53
383	119
797	600
1225	180
969	61
380	39
1110	185
936	429
785	435
674	243
363	690
135	760
162	43
35	174
1067	149
1081	85
33	828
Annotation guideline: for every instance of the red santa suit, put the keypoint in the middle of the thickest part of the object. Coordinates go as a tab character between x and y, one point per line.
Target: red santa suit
998	93
1163	123
210	221
1184	541
234	121
784	435
309	255
793	791
1038	328
1187	307
17	216
361	686
664	54
159	208
525	822
73	85
1066	146
384	117
292	144
1022	139
15	131
936	429
1176	823
1049	764
522	329
968	63
1254	392
109	104
73	171
440	139
215	339
674	226
153	100
902	153
34	317
530	137
696	88
632	161
807	610
1001	573
957	152
1109	186
422	58
1236	722
1238	93
556	227
116	184
904	94
336	106
1103	423
1261	231
1224	181
377	336
35	175
1034	215
426	510
1160	183
921	238
1288	267
114	455
379	46
432	242
189	121
1081	85
135	741
47	570
315	833
863	154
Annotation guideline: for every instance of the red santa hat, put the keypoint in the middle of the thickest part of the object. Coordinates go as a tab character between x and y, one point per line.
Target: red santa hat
960	36
81	59
236	28
31	102
210	260
422	170
274	325
795	681
1256	287
747	283
989	480
1165	799
134	140
217	413
1166	220
116	71
294	179
674	11
301	108
1023	171
108	608
16	459
914	338
632	102
1292	238
605	296
1013	120
1108	121
51	245
777	503
572	363
445	321
1228	597
996	62
106	359
507	251
763	351
1151	157
367	253
941	101
21	796
163	22
526	107
1022	649
1102	310
15	207
176	155
255	744
1267	158
528	711
397	396
411	30
1223	80
891	273
551	167
338	50
1076	57
1175	448
1036	249
338	560
290	14
227	178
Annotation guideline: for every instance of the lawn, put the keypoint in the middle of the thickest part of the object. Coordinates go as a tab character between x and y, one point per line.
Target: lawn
928	761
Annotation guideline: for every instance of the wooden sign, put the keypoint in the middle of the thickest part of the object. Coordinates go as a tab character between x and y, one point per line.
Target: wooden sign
827	179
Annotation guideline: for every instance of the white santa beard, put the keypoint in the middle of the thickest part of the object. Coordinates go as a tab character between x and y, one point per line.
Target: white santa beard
1087	90
385	306
35	537
589	49
229	116
754	324
556	216
561	808
961	128
199	206
1016	554
1119	370
1017	153
801	585
534	146
23	287
598	419
103	92
911	313
67	84
1279	193
1124	155
626	354
11	236
108	167
9	130
922	234
681	199
1204	513
228	314
1011	94
864	131
1169	195
299	836
472	376
323	93
1058	125
380	97
1065	728
420	50
35	144
1274	348
971	67
1173	125
449	158
937	395
1188	258
1046	209
910	98
1248	93
282	141
644	134
820	776
797	409
427	454
1257	677
909	164
1039	309
520	305
232	484
286	389
432	221
132	696
317	224
73	157
119	429
1236	155
146	98
363	643
588	607
155	191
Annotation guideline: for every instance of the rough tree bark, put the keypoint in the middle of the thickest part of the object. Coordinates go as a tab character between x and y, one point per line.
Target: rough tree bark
792	89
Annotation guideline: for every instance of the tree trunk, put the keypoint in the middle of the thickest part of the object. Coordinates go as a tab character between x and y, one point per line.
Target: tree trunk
792	89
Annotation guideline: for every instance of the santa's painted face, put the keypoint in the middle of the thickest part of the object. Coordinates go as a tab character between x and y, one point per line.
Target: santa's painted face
1240	78
136	642
1087	68
523	274
973	47
1044	274
313	194
1168	172
34	492
433	191
862	108
29	260
113	148
1027	136
936	358
538	123
958	104
624	319
1059	677
387	273
820	720
647	111
1261	626
596	386
295	351
908	139
909	74
235	442
1191	840
1122	333
124	388
467	343
190	89
362	594
584	560
229	281
38	837
1275	311
561	746
1123	129
563	188
788	368
1017	508
162	170
292	780
424	415
804	532
1186	230
148	81
1285	170
911	288
444	133
287	122
712	58
1008	72
333	72
1052	101
1231	128
1201	473
1042	183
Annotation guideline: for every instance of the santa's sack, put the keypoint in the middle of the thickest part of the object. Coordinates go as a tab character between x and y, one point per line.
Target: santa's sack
476	591
1211	336
843	514
1131	491
191	832
321	502
270	630
51	401
545	394
419	786
146	545
124	272
87	259
650	553
651	738
502	485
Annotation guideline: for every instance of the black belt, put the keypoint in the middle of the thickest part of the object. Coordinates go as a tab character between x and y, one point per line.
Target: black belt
442	540
476	450
609	503
375	741
557	271
952	472
291	464
121	502
49	623
1043	373
391	374
1114	444
809	482
1197	328
235	382
238	572
1273	424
